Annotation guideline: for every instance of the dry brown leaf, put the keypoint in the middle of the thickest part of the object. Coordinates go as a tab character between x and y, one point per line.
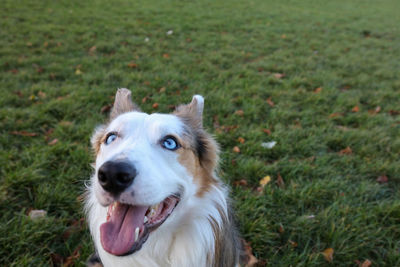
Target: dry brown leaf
53	142
24	133
92	50
155	105
346	151
162	90
366	263
318	90
241	140
383	179
239	112
267	131
70	261
328	254
334	115
165	55
251	260
241	182
132	65
269	101
279	75
280	182
293	244
14	71
236	149
355	109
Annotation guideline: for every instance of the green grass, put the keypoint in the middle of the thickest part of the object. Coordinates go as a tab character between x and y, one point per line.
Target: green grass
228	51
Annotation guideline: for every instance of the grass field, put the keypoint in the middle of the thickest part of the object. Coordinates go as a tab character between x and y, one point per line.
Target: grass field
321	78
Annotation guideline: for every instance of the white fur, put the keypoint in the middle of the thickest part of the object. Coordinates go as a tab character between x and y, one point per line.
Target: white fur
186	238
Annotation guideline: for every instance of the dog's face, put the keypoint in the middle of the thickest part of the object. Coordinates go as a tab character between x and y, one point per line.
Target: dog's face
145	166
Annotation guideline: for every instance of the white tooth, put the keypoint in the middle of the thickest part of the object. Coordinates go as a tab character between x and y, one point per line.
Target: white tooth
145	220
136	233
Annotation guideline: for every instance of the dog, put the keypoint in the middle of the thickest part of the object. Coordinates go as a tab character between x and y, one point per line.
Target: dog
154	198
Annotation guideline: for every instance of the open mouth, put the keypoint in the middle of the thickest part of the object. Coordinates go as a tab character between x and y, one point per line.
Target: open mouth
128	226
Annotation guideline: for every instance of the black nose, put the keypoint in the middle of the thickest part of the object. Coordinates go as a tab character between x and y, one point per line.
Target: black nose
116	176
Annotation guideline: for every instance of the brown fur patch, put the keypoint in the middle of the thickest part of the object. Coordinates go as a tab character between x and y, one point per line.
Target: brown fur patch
203	146
123	103
190	161
98	138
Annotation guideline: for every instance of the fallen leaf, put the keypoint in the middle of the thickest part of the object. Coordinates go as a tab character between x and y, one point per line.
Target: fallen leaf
37	214
48	133
23	133
281	229
241	140
355	109
78	72
132	65
53	142
334	115
165	55
383	179
280	182
264	181
236	149
294	244
46	44
14	71
268	145
92	50
283	36
162	90
239	112
346	151
155	105
269	101
144	99
279	75
71	259
377	109
241	182
328	254
56	259
251	260
41	94
366	263
318	90
105	108
19	93
394	112
267	131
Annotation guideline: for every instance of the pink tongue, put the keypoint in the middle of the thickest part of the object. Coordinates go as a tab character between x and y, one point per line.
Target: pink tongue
118	234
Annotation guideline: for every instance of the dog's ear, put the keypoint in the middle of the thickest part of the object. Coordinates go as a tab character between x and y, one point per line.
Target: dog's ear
193	111
123	103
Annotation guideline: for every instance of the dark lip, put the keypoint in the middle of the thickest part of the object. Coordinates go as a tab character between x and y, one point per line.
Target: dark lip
148	228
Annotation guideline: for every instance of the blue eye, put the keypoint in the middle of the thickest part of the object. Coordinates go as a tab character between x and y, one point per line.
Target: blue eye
170	143
110	138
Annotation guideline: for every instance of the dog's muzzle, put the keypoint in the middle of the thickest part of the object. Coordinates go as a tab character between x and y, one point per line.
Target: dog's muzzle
116	176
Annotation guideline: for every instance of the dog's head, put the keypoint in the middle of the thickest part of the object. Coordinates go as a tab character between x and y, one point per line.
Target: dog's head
145	165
